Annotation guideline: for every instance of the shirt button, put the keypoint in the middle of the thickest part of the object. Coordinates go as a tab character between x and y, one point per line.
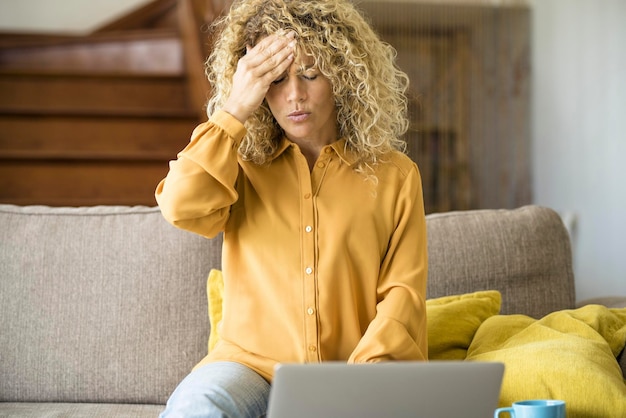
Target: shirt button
312	348
321	165
328	150
308	270
310	311
307	195
308	228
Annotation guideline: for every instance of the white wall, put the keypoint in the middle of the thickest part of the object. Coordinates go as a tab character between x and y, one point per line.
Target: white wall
579	131
61	16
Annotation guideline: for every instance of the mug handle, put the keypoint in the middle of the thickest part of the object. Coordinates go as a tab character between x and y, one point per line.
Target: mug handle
500	410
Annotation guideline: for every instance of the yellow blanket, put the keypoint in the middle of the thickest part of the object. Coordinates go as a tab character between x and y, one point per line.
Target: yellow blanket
568	355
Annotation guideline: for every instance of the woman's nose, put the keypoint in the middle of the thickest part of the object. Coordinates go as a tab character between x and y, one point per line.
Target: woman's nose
295	90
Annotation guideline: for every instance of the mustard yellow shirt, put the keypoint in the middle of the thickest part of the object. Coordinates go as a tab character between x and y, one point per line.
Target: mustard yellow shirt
318	264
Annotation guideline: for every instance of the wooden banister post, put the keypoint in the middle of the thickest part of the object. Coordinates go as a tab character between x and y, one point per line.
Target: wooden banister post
194	57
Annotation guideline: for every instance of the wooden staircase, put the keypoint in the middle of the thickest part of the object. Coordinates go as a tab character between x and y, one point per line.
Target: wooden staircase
95	119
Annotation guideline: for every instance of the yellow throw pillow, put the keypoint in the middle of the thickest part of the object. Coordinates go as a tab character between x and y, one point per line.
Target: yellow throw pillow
568	355
453	320
214	290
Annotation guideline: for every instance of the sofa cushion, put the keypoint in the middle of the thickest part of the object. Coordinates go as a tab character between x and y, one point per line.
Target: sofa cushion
453	321
99	304
523	253
568	355
77	410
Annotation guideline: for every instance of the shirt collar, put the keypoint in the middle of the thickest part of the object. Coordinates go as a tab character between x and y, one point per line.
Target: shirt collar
340	147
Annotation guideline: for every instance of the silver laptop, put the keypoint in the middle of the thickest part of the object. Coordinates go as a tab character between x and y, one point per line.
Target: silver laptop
436	389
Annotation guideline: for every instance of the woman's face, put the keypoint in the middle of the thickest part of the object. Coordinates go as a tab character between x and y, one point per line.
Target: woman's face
302	101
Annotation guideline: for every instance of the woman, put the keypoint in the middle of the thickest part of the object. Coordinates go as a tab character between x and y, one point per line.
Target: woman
299	165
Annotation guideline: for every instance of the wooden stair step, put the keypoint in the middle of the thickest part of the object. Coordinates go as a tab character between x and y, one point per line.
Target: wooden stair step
157	51
80	183
93	138
85	92
101	114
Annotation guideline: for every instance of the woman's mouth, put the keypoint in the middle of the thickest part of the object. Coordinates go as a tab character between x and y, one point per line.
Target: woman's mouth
298	116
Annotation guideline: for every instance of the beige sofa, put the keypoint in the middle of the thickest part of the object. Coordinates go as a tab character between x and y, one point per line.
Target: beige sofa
104	309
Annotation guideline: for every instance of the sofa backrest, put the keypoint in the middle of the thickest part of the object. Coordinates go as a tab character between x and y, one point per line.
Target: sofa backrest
524	253
99	304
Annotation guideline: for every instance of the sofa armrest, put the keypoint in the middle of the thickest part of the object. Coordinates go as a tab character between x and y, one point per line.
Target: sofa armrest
608	301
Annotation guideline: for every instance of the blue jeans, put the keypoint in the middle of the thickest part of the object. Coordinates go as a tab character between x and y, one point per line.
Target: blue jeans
219	390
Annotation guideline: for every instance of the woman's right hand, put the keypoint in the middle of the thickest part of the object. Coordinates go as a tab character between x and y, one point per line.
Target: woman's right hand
256	71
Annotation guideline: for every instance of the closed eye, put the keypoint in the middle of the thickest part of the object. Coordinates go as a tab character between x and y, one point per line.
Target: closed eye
279	79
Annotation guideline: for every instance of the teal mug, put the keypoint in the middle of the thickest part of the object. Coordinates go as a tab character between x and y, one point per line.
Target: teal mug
534	409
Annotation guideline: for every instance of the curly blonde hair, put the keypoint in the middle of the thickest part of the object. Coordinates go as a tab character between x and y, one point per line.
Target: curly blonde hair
369	89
